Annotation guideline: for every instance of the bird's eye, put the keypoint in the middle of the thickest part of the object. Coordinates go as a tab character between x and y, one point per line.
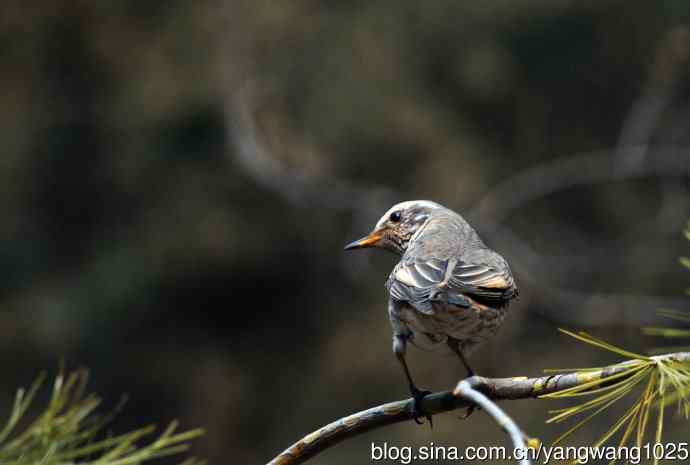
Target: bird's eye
395	216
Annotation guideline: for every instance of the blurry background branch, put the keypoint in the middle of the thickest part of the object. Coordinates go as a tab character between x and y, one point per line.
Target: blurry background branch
329	193
253	154
642	120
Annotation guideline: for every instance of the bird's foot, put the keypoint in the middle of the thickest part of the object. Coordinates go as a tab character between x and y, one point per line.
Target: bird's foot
468	411
418	395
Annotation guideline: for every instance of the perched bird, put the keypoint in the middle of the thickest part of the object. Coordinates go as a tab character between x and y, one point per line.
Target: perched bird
449	291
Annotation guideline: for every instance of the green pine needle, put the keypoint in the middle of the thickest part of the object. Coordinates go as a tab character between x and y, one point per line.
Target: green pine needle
69	431
589	339
657	382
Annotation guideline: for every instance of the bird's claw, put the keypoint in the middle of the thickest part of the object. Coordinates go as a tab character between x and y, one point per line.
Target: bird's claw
467	413
418	413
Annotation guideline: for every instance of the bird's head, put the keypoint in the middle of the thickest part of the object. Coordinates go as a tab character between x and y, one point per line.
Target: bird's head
397	227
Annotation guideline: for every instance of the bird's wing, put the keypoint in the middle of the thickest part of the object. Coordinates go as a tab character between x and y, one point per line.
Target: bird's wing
487	284
416	282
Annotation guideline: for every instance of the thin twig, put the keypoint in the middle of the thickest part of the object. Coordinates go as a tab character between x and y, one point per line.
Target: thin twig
465	390
439	402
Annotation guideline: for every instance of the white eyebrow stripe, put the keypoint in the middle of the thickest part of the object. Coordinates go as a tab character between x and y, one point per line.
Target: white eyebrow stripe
402	206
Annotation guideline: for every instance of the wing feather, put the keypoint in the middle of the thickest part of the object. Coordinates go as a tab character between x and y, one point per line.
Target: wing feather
416	281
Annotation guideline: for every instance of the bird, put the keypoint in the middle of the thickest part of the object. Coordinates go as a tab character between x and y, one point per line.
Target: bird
449	292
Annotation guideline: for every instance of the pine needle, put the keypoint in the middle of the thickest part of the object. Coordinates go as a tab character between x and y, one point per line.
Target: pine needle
68	430
589	339
664	382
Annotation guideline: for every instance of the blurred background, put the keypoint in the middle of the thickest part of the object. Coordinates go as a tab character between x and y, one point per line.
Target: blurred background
177	181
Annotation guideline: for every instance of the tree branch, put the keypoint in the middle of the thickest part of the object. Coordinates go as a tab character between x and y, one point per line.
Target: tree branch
439	402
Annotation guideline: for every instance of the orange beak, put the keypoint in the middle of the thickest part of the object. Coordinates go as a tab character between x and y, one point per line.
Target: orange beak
368	241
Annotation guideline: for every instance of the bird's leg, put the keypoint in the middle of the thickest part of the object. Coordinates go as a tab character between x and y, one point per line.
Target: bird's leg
455	347
399	346
470	373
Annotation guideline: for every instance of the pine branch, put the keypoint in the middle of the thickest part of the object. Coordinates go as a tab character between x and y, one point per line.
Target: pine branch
493	389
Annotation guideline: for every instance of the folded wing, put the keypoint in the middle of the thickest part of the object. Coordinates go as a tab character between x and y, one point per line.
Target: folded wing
419	283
